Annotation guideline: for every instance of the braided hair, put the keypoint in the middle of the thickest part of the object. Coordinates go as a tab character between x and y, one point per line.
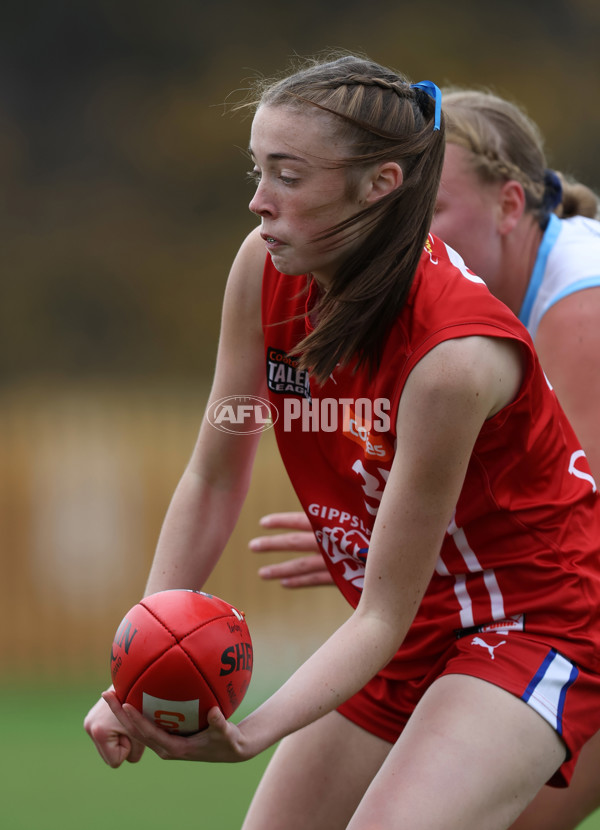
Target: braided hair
505	144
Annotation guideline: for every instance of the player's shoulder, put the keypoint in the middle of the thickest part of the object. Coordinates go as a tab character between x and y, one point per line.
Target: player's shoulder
245	277
252	252
570	253
582	226
577	239
438	255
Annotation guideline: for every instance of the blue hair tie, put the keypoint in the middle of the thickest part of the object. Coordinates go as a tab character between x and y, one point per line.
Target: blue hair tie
434	92
553	192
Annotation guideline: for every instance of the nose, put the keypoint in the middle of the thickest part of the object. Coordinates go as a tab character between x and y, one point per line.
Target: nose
261	204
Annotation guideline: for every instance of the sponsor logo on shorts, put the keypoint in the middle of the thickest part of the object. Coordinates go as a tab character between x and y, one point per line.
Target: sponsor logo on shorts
478	641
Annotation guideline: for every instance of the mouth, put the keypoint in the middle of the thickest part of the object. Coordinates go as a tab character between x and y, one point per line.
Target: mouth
269	240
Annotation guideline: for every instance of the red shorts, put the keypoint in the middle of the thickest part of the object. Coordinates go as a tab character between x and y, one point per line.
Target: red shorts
565	695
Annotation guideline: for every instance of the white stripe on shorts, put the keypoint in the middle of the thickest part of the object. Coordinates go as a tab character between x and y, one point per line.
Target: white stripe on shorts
548	688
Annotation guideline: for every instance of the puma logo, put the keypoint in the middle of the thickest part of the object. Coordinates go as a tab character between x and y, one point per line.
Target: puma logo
477	641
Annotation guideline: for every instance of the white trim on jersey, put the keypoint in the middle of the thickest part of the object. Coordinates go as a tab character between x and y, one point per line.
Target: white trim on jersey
461	590
568	260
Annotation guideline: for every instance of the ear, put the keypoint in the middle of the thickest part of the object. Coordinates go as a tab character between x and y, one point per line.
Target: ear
511	204
384	179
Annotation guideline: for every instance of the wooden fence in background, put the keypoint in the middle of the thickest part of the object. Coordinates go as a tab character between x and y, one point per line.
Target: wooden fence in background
86	475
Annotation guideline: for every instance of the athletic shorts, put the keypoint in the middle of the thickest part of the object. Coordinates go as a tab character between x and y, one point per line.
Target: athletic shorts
566	696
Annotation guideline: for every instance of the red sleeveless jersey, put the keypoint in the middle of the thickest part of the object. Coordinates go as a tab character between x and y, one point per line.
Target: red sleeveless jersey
522	552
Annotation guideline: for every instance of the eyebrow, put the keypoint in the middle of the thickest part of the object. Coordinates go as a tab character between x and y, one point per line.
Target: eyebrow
280	156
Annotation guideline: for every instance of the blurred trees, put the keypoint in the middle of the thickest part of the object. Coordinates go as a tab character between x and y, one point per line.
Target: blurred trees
123	195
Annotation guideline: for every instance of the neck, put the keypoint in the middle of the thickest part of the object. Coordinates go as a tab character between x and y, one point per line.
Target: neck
519	253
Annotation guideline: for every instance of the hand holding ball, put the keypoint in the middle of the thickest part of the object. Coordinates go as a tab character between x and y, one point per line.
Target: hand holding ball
179	653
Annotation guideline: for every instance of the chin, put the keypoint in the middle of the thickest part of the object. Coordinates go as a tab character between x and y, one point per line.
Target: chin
286	267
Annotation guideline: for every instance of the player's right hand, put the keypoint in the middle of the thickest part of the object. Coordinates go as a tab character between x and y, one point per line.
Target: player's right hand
111	740
222	741
302	572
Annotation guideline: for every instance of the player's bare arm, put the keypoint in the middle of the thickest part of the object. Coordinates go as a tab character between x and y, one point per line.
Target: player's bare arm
187	548
568	344
178	562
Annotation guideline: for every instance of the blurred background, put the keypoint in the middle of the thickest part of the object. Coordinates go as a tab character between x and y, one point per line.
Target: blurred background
123	199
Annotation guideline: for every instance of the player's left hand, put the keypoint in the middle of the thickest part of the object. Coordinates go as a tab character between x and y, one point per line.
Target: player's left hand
301	572
220	742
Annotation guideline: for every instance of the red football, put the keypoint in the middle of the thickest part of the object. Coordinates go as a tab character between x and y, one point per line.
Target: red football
179	653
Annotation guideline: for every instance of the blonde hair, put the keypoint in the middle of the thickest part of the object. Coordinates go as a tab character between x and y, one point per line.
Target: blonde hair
506	144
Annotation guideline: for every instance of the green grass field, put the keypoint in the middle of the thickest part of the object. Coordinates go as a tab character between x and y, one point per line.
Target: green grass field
51	777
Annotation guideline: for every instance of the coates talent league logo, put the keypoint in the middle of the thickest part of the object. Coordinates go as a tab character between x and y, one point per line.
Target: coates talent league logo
242	414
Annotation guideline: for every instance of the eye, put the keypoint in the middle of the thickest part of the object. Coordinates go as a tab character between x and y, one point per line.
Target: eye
255	176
